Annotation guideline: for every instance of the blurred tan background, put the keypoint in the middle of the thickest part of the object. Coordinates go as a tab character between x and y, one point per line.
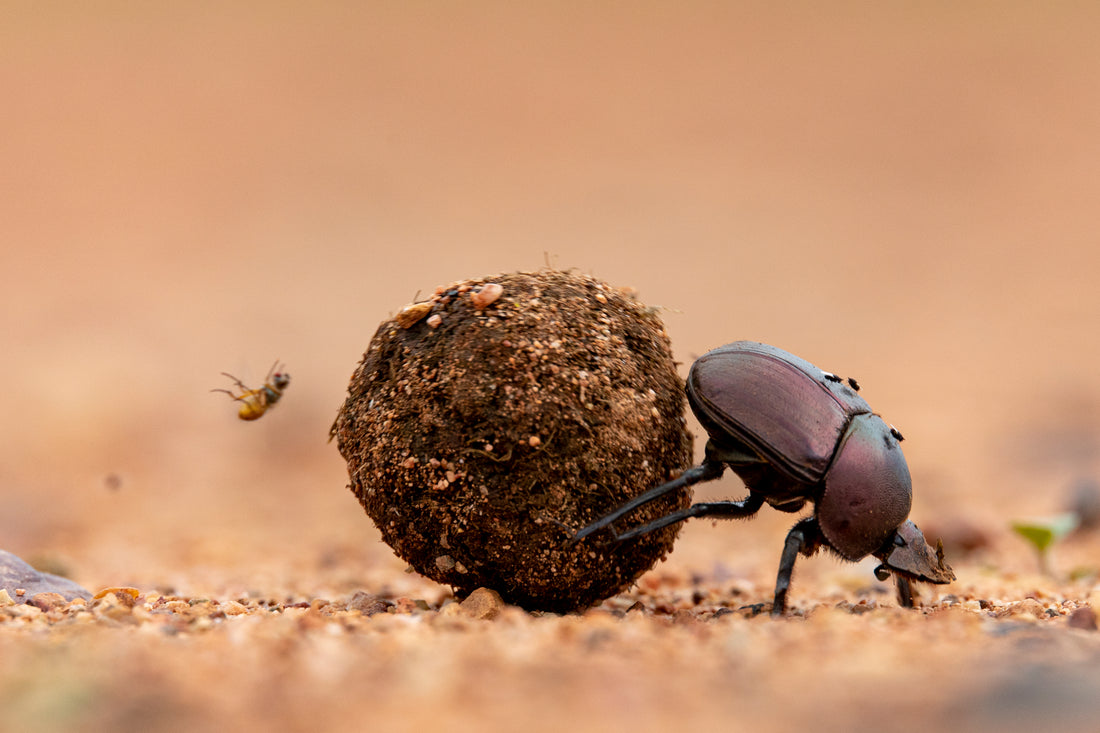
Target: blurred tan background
906	194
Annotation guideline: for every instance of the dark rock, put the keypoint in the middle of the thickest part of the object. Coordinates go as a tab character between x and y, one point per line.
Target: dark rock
16	574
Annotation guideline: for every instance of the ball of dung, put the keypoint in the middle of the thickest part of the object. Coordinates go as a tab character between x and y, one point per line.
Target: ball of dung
486	425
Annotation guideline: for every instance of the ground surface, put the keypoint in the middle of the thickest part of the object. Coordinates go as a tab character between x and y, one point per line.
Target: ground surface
906	196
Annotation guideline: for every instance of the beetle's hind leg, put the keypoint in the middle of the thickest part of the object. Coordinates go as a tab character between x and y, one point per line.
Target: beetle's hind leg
718	509
707	471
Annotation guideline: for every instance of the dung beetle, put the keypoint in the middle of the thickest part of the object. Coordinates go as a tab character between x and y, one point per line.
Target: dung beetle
795	433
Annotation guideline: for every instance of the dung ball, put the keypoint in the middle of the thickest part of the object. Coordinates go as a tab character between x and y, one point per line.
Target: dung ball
487	424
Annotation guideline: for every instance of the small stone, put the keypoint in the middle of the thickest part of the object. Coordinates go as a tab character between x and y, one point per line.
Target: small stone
126	596
368	604
1083	618
47	601
1026	607
23	610
435	320
489	294
483	603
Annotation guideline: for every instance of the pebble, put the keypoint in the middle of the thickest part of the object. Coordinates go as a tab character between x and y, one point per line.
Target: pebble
368	604
1025	608
483	603
48	601
1083	618
489	294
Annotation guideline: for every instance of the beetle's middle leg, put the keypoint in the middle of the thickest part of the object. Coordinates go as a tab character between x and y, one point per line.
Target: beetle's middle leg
803	538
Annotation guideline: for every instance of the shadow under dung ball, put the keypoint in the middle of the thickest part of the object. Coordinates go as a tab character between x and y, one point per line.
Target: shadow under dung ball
487	424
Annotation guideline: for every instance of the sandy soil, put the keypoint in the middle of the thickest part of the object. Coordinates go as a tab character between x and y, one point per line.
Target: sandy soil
904	195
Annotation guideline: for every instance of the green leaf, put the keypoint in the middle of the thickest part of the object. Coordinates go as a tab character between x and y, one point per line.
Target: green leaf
1044	532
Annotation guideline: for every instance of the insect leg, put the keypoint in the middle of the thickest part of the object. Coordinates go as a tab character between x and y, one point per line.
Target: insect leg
239	383
905	591
796	542
721	509
228	392
707	471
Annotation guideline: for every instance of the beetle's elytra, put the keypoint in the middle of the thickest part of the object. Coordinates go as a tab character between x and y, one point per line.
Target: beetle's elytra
795	434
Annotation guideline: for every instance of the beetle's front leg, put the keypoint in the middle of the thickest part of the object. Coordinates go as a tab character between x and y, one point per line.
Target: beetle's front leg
905	591
803	538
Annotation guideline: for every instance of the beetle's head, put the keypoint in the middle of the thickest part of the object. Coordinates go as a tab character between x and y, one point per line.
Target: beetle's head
909	555
280	380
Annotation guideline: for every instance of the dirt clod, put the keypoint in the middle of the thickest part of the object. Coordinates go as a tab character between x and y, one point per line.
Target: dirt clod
539	402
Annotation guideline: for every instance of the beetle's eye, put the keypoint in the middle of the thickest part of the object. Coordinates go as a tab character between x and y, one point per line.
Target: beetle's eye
898	541
897	434
853	384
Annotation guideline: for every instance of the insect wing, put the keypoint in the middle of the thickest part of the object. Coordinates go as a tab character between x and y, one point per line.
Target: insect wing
779	405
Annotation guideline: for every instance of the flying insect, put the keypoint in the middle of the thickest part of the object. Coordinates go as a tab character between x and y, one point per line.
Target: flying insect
255	402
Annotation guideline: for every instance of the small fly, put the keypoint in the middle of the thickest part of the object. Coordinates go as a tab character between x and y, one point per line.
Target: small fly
255	402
